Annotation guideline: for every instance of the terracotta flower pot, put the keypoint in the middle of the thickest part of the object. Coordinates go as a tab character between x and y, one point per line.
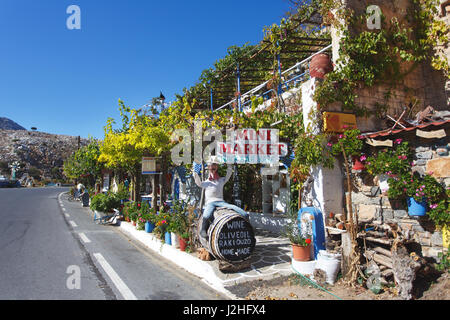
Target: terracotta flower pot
183	243
301	253
320	65
357	164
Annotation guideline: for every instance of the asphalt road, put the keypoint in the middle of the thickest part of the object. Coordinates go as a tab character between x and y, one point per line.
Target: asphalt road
53	250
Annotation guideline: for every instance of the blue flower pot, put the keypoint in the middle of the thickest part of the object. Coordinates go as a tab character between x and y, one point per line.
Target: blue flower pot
168	238
416	209
149	227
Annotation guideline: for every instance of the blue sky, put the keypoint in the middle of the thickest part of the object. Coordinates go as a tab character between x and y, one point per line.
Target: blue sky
69	81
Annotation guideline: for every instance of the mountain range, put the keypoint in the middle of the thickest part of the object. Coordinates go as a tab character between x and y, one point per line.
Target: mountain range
8	124
40	150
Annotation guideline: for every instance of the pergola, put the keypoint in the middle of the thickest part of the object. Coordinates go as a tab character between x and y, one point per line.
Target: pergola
251	74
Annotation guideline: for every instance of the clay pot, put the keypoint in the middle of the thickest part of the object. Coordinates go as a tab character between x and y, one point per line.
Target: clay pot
183	243
320	65
301	253
357	164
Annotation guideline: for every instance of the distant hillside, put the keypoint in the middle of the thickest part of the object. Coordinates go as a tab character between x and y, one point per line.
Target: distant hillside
8	124
37	149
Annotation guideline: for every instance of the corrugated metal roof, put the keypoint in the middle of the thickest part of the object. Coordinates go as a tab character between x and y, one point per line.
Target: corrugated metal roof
389	132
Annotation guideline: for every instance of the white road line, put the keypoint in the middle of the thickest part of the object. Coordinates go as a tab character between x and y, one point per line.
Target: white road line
120	285
84	238
73	224
67	215
63	209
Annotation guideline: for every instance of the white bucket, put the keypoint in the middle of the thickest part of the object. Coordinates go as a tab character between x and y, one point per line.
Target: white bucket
305	268
175	240
330	263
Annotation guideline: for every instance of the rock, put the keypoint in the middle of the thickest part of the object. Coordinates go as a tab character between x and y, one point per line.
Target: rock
375	191
422	149
400	214
388	214
440	168
367	212
38	149
443	152
424	155
436	239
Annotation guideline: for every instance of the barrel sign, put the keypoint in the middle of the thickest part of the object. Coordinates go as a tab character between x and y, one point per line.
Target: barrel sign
233	238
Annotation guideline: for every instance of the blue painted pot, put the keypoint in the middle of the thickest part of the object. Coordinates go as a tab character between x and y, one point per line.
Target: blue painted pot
149	227
168	238
416	209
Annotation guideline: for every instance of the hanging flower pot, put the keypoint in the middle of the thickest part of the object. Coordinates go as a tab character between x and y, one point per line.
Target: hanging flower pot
416	209
357	164
301	253
320	65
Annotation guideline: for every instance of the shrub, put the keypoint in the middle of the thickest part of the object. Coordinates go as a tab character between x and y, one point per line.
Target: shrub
105	202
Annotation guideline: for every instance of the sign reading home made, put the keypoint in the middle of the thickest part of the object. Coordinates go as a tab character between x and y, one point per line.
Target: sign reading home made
236	240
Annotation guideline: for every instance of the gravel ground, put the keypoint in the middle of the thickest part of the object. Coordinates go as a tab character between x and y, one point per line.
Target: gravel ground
294	287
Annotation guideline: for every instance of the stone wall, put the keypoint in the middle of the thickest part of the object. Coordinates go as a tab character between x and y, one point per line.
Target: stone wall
430	155
421	87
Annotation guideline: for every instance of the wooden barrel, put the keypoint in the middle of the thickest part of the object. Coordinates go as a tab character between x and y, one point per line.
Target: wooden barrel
231	237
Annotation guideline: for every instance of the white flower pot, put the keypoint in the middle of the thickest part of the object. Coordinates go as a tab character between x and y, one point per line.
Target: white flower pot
175	240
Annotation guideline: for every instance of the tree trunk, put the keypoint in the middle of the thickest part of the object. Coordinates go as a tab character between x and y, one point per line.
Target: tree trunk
154	193
137	184
351	257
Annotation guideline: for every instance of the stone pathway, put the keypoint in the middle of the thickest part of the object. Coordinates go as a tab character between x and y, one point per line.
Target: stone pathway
271	258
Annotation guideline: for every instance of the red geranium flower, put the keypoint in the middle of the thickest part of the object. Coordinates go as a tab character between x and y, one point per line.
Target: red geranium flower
308	241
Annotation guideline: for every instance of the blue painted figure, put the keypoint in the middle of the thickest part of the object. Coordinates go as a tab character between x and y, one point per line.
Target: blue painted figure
318	228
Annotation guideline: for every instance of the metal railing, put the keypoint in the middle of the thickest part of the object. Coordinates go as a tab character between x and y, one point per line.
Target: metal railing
253	91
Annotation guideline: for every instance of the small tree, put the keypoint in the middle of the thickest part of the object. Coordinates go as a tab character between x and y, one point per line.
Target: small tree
83	164
349	144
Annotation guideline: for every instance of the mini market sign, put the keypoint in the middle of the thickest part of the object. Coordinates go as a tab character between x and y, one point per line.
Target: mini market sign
248	146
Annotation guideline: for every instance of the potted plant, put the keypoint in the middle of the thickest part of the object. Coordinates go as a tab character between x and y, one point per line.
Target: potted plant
148	216
358	162
421	192
301	245
179	222
184	240
173	228
300	239
162	223
389	163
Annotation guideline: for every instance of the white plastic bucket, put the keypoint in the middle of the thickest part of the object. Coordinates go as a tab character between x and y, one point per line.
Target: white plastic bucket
330	263
174	239
305	268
